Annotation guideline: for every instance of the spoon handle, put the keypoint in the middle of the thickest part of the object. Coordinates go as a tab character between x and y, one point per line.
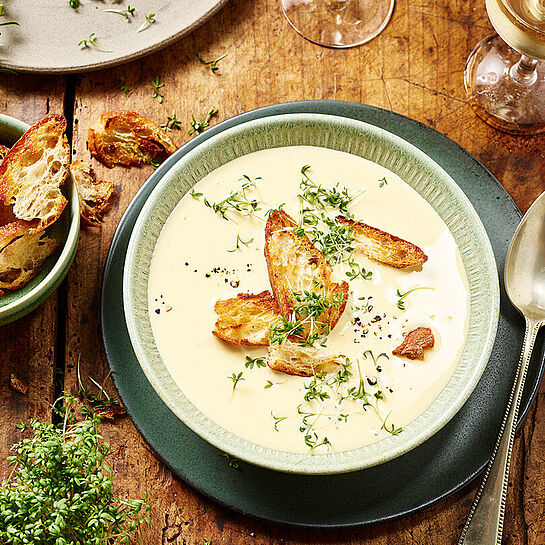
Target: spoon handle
484	523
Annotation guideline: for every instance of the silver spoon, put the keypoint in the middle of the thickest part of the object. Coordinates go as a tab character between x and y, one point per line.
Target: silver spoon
525	284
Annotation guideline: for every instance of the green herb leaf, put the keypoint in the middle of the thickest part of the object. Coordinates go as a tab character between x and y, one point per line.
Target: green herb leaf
213	64
198	126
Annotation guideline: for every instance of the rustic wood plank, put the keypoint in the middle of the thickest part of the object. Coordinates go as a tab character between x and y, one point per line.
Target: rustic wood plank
28	345
415	68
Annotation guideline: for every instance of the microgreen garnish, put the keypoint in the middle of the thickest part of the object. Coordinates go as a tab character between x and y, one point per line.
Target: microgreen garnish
365	305
375	359
308	322
172	122
100	403
314	194
237	201
382	182
198	126
126	13
358	271
7	23
258	362
154	164
195	194
234	463
74	4
149	20
392	430
122	85
268	385
156	85
277	420
236	379
61	490
238	243
213	64
402	296
91	41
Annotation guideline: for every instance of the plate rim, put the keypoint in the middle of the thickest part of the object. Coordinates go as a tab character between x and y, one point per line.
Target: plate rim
319	464
91	67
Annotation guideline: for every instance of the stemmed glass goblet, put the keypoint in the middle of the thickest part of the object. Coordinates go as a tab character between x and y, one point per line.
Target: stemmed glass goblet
505	74
338	23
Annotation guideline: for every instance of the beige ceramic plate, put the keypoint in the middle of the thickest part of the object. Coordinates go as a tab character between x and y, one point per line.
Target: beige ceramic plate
47	37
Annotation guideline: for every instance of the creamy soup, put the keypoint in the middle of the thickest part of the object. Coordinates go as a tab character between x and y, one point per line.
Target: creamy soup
201	257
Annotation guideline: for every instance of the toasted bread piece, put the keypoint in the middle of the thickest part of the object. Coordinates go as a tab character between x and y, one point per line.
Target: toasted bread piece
22	258
94	195
303	361
6	215
296	265
384	247
415	343
12	230
128	139
33	171
3	152
246	318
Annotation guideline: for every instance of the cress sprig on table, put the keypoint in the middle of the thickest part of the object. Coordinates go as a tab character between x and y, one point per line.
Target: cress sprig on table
60	490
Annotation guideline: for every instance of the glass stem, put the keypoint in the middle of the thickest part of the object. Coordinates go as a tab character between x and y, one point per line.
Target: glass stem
524	72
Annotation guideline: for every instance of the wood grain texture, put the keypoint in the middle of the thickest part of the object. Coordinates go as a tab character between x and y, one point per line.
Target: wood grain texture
28	346
415	67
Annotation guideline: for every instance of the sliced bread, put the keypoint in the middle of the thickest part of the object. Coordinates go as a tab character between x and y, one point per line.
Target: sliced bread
33	171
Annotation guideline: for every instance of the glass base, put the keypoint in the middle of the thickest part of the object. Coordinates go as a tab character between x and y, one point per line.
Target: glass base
338	23
507	105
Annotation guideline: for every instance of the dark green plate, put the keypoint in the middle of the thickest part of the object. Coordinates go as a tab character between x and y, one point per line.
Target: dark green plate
429	473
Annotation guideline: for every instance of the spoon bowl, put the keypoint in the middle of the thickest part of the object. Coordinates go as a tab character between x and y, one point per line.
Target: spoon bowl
525	263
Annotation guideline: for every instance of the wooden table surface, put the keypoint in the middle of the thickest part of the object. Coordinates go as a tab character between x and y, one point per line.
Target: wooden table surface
415	67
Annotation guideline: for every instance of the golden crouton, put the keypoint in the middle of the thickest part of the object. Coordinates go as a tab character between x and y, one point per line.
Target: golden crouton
384	247
303	361
94	195
128	139
246	318
295	265
415	343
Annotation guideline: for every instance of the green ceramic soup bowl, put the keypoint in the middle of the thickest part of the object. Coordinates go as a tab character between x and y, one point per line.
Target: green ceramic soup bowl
374	144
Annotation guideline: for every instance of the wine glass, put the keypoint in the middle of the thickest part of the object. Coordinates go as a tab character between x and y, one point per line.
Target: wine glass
505	74
338	23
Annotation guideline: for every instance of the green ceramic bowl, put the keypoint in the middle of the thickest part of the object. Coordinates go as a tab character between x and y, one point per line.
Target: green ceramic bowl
372	143
14	305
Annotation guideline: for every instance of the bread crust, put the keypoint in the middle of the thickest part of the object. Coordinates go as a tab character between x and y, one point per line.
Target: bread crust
22	258
33	171
384	247
296	265
128	139
415	343
246	318
3	151
94	195
302	361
